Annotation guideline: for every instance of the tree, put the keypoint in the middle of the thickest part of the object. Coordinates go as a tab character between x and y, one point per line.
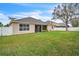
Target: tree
75	22
7	25
65	12
1	24
11	18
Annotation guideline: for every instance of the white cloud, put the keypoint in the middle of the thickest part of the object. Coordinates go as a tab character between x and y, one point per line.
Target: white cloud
4	18
42	15
36	14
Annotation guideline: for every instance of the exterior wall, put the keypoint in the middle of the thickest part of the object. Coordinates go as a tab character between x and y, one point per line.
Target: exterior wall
49	28
16	28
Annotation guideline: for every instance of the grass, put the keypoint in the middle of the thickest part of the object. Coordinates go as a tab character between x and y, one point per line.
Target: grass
55	43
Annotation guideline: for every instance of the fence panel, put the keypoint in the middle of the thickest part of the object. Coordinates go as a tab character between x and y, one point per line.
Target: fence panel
70	29
73	29
5	31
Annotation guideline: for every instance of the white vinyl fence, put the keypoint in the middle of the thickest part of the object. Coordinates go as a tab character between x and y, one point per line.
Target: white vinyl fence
70	29
4	31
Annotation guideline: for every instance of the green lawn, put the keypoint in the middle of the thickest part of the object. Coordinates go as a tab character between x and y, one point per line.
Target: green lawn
43	43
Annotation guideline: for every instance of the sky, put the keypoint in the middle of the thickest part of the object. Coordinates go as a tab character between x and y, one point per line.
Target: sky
42	11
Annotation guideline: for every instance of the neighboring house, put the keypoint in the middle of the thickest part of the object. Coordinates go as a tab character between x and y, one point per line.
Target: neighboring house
30	25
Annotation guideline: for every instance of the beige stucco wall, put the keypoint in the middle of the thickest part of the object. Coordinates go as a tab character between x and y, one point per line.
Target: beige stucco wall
16	28
49	28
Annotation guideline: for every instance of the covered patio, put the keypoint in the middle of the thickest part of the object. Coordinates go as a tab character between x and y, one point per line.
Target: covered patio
40	28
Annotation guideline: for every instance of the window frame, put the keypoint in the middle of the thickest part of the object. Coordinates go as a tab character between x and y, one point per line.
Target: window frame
23	27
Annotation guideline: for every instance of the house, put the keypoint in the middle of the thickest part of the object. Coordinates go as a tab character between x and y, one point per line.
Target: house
30	25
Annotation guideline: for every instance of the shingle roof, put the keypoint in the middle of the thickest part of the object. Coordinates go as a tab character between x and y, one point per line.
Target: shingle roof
31	21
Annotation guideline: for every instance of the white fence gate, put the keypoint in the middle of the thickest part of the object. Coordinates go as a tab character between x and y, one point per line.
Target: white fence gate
6	31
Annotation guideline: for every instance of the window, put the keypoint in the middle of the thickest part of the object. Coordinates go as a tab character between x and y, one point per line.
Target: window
23	27
44	27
